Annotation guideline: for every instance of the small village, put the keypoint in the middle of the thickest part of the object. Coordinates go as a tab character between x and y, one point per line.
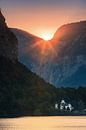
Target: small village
64	106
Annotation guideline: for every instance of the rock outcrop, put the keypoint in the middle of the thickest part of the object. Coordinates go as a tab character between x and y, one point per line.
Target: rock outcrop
8	41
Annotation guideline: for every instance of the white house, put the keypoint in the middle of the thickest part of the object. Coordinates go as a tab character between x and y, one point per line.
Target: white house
56	106
64	106
69	107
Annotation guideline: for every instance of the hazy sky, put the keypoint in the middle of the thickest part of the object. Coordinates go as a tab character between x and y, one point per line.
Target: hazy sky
38	16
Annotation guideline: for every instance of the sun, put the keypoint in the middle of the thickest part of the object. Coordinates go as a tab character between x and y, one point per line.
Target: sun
46	36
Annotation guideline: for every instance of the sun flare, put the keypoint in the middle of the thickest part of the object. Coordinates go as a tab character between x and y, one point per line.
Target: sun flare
46	36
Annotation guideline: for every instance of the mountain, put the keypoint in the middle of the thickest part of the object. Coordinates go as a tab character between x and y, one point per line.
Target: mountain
28	55
63	63
71	40
8	41
72	36
21	91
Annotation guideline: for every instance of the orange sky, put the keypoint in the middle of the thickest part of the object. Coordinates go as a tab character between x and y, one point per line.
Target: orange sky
42	19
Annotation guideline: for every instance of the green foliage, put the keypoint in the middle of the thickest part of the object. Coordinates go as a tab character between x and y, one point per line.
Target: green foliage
23	92
75	96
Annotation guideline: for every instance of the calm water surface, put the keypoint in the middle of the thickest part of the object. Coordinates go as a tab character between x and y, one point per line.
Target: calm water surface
44	123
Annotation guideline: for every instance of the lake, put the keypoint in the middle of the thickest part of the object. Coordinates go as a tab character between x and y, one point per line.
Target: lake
44	123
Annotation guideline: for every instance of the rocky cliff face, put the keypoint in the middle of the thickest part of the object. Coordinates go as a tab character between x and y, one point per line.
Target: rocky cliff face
8	41
68	66
26	47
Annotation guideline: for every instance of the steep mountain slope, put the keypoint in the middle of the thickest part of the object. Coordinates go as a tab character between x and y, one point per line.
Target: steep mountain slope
79	76
21	91
73	38
67	59
28	53
8	41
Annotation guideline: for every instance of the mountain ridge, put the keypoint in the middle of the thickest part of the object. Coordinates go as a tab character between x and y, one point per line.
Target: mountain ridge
8	41
69	44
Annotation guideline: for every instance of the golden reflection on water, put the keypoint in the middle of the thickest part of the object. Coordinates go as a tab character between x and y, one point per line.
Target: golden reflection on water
44	123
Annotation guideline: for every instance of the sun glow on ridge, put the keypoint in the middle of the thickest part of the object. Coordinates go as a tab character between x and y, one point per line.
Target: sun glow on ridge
44	47
46	36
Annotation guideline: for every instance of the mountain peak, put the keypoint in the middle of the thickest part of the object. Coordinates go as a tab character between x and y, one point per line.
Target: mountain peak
8	41
2	20
70	29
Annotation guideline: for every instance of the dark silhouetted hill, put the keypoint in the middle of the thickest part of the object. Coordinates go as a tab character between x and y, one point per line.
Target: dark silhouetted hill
21	91
8	41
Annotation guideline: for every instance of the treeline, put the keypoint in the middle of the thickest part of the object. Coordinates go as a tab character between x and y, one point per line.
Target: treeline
75	96
23	93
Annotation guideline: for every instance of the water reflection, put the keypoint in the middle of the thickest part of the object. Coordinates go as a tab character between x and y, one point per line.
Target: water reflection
44	123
